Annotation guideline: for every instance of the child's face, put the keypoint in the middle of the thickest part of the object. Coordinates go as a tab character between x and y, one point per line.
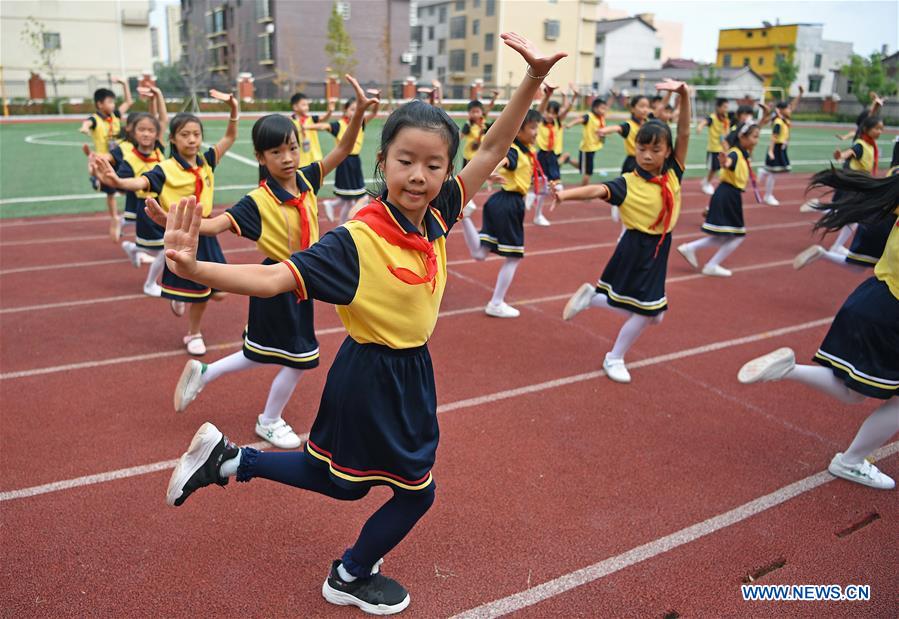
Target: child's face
785	112
875	131
350	109
722	110
749	139
600	110
415	166
664	115
188	139
283	160
475	114
301	107
652	156
641	110
551	115
106	106
745	117
527	135
145	133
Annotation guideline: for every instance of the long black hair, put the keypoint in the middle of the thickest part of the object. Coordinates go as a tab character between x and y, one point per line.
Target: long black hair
136	117
861	197
271	131
177	123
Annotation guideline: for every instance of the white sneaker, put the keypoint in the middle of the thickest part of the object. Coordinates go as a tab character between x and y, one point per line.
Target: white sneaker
708	189
130	250
529	200
773	366
807	256
560	187
190	384
809	207
864	473
541	220
153	290
178	307
195	344
579	301
615	370
279	434
716	271
469	208
616	216
503	310
689	255
771	201
840	249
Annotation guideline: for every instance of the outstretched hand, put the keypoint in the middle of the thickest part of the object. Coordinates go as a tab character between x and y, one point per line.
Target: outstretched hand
540	64
363	101
182	233
838	154
722	160
155	212
103	169
227	97
672	86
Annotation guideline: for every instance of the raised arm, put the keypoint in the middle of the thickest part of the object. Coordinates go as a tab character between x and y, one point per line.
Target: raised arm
492	103
795	102
547	95
227	141
766	115
373	113
566	106
683	119
497	141
125	105
345	145
161	112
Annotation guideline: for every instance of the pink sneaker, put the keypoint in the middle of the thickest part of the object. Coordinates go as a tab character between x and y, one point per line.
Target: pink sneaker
195	344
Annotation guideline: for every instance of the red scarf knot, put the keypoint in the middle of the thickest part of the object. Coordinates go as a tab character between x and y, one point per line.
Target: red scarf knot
667	208
869	140
198	181
152	158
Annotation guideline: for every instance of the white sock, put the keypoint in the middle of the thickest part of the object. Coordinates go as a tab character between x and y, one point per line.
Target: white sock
229	467
823	379
504	280
769	185
282	388
843	236
155	269
704	242
875	431
345	576
601	300
345	206
726	249
232	363
472	240
529	198
538	206
630	331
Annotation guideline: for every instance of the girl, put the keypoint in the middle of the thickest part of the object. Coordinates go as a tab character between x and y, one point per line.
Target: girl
633	282
549	146
868	242
349	183
386	272
719	127
777	160
591	140
639	106
187	173
281	216
502	231
859	353
724	221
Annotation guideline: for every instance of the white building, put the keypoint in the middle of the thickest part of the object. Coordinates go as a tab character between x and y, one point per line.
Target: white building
622	44
735	84
173	31
818	59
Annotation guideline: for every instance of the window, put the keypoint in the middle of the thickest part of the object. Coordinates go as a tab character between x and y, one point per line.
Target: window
263	10
817	61
814	83
746	62
657	54
457	27
265	48
764	33
344	9
488	42
476	26
849	87
551	29
488	72
441	46
600	38
457	60
431	11
51	40
441	74
726	60
430	63
761	61
475	60
749	35
218	21
597	62
460	5
430	33
778	58
635	83
441	15
490	9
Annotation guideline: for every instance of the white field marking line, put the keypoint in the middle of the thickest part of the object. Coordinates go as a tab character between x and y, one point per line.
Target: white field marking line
445	408
48	306
97	217
59	239
41	139
332	330
82	196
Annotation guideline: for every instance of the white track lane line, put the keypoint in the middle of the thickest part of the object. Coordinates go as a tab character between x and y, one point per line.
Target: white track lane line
444	408
644	552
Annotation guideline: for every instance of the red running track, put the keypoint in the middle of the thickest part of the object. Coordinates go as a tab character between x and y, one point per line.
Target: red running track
559	492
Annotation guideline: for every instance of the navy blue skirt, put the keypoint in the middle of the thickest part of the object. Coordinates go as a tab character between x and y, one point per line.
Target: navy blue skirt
725	217
502	229
869	242
348	179
862	345
377	421
629	165
132	203
634	278
780	162
148	234
180	289
549	161
281	330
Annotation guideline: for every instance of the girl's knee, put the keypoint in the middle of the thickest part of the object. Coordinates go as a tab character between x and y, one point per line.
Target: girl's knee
418	502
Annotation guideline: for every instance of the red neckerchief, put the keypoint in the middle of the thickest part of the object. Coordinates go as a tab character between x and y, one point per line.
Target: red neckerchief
867	138
551	141
198	180
376	217
539	174
299	203
725	123
145	158
108	120
667	207
302	121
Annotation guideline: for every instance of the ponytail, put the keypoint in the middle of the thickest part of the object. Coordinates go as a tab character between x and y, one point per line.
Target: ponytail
861	198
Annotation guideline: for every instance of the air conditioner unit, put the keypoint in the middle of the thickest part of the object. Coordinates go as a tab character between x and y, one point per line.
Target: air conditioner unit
407	58
132	17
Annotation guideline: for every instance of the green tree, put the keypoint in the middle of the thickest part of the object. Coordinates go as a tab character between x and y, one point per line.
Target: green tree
339	47
706	76
785	70
46	45
866	75
170	79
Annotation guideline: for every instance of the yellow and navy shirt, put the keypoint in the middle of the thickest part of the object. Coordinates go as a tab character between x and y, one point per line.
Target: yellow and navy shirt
518	172
629	131
279	222
339	128
134	164
174	179
472	135
718	129
353	268
738	174
862	159
887	268
641	201
591	141
105	130
550	133
781	130
310	147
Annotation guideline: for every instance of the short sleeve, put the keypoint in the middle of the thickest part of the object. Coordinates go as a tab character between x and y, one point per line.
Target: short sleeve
117	156
857	150
733	160
313	175
449	201
731	138
210	157
466	129
124	170
617	191
585	119
674	165
329	269
776	128
92	121
335	128
117	113
245	219
315	118
708	120
156	176
512	159
625	129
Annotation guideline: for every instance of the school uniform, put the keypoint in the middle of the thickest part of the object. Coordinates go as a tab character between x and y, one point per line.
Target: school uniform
861	345
502	229
105	131
349	182
377	421
172	180
280	329
549	147
629	130
148	234
591	142
310	147
634	278
472	136
718	128
780	162
725	216
870	238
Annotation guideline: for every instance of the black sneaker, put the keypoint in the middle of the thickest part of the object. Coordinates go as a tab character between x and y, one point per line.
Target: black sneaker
199	465
377	595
